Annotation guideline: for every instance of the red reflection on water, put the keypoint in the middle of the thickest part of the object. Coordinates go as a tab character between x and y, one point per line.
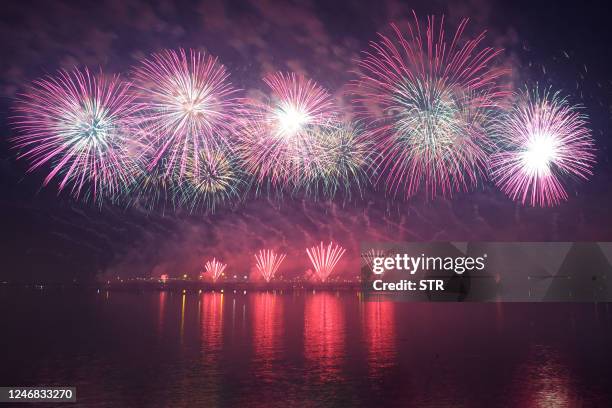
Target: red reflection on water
380	335
211	324
324	335
267	326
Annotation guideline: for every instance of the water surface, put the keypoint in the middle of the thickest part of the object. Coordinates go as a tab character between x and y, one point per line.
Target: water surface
162	349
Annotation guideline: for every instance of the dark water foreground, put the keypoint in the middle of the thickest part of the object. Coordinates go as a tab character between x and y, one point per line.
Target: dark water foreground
162	349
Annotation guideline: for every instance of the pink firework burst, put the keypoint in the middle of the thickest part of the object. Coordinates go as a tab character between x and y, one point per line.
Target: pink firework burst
437	95
545	141
325	258
268	262
79	123
278	139
215	268
187	104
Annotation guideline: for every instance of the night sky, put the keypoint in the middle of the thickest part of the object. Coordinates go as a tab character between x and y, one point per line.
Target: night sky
50	237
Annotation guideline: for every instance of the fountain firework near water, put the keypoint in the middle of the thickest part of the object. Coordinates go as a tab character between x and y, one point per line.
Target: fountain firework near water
325	258
268	263
215	268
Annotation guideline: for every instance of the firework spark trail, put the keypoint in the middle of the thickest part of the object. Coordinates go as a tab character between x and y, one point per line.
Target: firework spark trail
215	268
371	254
545	140
78	122
147	188
187	103
278	141
151	188
325	258
268	262
437	98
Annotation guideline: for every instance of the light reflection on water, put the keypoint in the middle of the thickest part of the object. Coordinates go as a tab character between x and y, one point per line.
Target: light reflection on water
544	380
379	333
308	349
267	315
324	331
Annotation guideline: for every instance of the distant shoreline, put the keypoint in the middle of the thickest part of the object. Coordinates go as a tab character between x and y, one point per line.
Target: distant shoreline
180	285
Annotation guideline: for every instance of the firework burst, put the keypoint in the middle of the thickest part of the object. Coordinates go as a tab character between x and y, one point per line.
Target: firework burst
298	103
344	157
79	123
215	268
545	140
325	258
437	97
211	178
268	262
187	104
278	142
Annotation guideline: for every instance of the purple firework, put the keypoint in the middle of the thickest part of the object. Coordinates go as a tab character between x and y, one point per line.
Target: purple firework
79	124
545	140
430	99
187	104
279	140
